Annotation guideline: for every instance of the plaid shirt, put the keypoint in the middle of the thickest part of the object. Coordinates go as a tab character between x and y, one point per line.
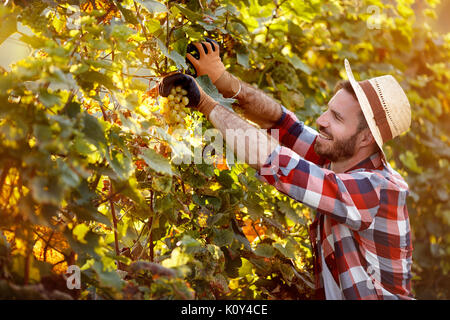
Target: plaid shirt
361	222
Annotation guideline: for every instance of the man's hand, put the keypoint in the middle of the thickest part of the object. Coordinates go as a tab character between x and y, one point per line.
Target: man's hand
197	97
258	107
209	61
186	82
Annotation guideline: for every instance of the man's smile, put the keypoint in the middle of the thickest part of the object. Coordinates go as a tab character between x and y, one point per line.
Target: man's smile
324	136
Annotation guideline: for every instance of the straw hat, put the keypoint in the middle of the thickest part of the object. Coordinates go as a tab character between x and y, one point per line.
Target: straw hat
384	105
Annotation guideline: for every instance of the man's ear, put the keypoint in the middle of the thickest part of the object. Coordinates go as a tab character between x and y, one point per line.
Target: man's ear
366	138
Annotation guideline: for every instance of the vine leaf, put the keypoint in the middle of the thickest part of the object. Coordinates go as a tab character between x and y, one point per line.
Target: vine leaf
173	55
286	249
299	64
121	164
153	6
127	14
8	25
242	55
290	213
265	250
93	130
222	237
191	15
80	231
211	90
156	161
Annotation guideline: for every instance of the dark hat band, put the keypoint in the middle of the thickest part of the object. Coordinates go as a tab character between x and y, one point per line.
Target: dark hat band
379	114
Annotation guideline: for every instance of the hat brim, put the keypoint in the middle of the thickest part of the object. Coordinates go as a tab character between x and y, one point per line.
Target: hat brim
365	107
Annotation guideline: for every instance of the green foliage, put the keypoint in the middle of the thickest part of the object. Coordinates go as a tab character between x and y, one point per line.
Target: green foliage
85	152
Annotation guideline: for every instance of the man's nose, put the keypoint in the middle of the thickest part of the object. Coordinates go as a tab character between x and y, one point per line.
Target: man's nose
322	120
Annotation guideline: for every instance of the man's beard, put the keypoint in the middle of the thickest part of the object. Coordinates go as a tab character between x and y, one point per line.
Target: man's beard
337	150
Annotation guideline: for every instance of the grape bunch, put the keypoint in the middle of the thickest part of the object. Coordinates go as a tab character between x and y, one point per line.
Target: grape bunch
173	108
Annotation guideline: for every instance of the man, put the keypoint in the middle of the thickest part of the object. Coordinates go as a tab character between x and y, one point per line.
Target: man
361	233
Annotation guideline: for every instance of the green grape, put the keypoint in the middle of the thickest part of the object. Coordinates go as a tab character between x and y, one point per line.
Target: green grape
174	110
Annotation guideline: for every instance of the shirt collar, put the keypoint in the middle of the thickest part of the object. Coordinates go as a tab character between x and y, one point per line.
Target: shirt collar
372	162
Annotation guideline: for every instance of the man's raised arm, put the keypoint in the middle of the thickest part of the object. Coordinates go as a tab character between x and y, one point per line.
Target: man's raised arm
257	106
250	144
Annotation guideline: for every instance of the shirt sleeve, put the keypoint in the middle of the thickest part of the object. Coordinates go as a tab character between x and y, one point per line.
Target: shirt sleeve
295	135
349	198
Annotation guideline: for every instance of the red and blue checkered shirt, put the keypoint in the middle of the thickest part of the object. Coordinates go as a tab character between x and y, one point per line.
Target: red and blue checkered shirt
361	225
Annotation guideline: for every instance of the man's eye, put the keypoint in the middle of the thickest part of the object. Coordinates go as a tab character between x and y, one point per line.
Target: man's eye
336	116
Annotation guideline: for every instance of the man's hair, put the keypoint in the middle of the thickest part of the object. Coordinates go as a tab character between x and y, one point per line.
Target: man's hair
347	86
